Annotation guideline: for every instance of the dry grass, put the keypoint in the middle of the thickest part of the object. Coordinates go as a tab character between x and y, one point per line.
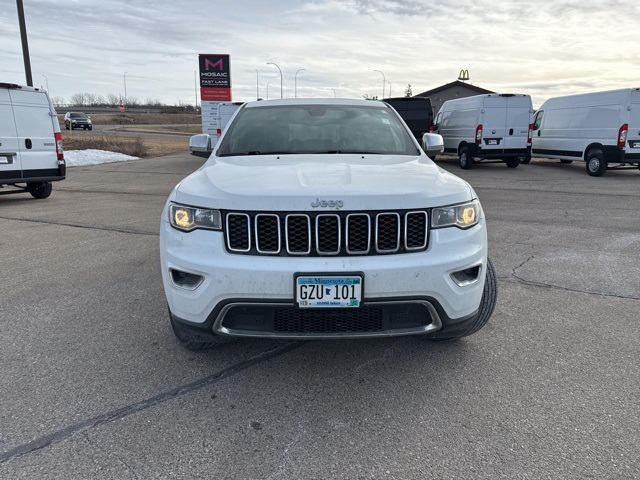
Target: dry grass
142	119
129	145
189	129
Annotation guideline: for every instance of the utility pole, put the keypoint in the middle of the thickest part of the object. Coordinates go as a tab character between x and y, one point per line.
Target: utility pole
25	45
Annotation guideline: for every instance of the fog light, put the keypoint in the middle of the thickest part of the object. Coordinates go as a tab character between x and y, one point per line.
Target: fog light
187	280
467	276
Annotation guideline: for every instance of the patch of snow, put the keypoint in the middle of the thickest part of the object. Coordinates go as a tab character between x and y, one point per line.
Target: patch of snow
75	158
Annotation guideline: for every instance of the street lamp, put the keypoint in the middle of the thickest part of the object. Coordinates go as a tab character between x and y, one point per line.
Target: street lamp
271	63
384	81
45	77
334	92
268	90
125	87
257	88
295	81
389	87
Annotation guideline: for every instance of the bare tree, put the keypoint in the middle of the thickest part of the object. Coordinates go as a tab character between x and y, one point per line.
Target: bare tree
78	99
408	92
113	99
58	101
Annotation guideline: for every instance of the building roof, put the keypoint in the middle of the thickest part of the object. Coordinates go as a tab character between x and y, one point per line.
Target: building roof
447	86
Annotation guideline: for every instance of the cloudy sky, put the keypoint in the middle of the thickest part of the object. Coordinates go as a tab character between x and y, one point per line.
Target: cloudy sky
541	47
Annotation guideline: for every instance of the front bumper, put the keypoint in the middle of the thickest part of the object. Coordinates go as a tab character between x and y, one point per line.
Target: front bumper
242	295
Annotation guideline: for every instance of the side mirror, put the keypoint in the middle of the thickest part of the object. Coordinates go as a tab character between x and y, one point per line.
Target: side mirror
200	145
432	144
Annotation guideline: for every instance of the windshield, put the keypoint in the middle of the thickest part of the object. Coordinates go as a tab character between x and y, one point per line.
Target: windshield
77	115
311	129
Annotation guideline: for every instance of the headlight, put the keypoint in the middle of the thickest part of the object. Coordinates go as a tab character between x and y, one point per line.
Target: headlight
462	216
187	218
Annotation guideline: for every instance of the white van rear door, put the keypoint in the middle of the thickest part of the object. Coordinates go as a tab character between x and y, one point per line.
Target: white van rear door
36	135
494	124
633	134
519	111
10	165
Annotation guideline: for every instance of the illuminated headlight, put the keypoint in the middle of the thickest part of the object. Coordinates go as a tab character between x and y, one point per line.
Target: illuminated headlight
187	218
462	216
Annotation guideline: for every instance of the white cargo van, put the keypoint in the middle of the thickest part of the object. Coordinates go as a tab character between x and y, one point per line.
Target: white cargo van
31	154
491	126
601	129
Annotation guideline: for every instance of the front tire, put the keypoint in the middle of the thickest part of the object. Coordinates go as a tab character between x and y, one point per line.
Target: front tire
487	304
465	159
193	341
596	165
42	190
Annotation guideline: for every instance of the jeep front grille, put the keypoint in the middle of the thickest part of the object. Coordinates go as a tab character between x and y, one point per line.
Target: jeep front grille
326	234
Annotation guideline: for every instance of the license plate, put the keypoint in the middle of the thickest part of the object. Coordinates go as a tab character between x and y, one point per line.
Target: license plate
635	144
4	160
320	291
492	142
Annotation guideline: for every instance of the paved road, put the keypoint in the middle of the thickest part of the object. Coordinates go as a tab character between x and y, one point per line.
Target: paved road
94	385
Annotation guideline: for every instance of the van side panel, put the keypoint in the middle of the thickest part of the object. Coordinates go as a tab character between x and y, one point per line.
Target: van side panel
572	123
632	149
458	123
35	128
10	165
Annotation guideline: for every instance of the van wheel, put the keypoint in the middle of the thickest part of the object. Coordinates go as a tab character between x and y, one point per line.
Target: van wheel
40	190
525	160
465	160
596	166
512	162
487	304
566	161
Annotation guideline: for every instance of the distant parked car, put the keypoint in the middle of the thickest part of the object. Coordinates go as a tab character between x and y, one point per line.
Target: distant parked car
77	120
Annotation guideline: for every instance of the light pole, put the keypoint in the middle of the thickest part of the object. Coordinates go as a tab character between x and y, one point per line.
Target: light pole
295	81
195	87
271	63
384	81
334	92
257	87
45	77
389	88
268	90
125	87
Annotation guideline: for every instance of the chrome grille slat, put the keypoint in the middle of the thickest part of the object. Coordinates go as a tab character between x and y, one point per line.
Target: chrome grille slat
326	234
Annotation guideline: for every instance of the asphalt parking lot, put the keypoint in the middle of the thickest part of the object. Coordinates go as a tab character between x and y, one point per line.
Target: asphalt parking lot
93	383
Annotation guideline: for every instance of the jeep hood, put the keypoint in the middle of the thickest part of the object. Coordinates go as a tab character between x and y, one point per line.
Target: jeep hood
294	182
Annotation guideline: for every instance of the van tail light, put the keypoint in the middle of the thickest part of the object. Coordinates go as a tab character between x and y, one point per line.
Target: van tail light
479	134
530	134
432	128
58	137
218	131
622	135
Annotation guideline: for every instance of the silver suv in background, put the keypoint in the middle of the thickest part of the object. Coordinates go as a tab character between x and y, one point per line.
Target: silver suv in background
77	120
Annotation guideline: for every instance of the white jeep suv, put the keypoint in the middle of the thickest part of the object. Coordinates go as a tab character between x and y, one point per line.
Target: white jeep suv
318	218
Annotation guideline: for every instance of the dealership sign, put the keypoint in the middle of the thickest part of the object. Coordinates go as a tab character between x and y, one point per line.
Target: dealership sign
215	77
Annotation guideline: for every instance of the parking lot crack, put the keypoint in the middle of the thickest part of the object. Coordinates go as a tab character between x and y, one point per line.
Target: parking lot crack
88	227
142	405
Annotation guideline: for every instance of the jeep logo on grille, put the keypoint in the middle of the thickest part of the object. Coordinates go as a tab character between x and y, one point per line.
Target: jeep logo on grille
337	204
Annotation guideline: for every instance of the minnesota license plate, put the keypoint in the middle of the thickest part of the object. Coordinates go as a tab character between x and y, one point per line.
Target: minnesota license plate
320	291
